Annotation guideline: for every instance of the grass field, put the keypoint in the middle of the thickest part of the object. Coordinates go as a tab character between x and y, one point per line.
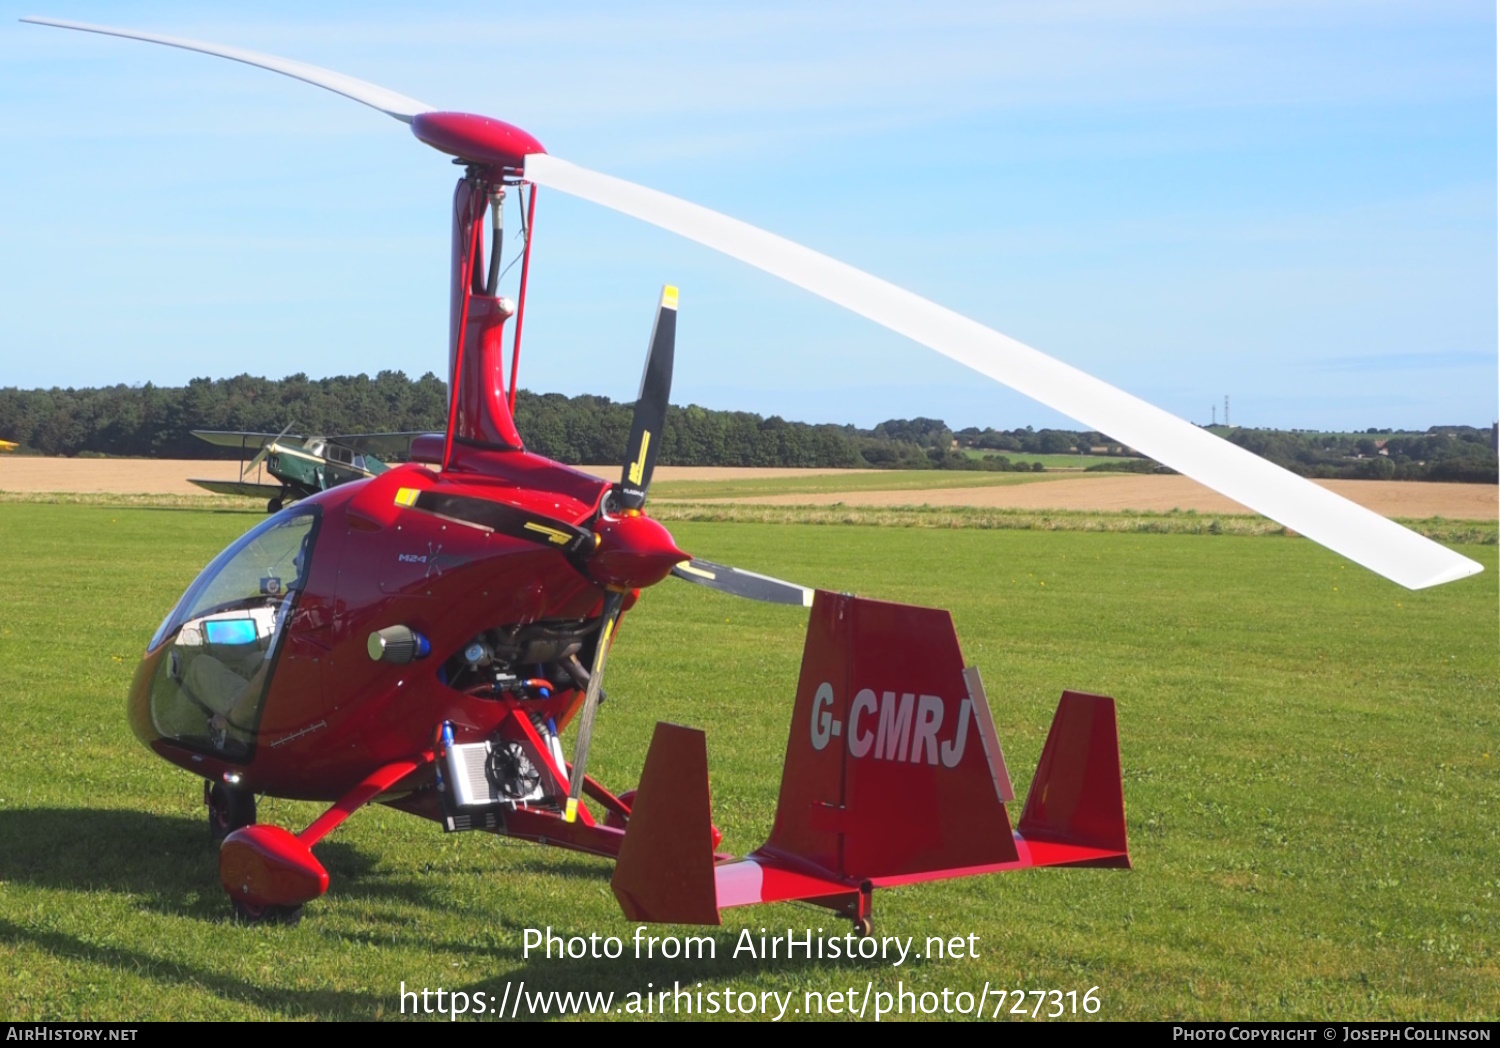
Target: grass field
1064	461
1309	752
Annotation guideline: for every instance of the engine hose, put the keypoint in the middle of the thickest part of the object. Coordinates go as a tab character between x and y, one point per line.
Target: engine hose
576	673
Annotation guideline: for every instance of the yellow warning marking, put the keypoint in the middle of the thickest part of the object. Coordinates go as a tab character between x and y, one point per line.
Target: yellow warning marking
638	467
570	812
561	538
688	567
609	628
668	297
407	496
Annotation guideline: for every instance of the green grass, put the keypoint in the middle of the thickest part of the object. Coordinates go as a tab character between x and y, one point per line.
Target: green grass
1064	461
823	483
1310	760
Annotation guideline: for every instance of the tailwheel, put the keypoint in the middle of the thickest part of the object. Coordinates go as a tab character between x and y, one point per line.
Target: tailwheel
229	809
864	927
247	913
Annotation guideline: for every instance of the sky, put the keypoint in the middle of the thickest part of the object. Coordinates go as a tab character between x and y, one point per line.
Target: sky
1290	204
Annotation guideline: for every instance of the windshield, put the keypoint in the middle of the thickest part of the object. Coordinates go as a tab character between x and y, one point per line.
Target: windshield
266	562
224	636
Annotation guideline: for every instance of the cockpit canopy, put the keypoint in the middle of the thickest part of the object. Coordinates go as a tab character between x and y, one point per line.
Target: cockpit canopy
225	634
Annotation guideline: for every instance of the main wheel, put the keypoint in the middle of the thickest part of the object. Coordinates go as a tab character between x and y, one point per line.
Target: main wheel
229	809
245	913
274	506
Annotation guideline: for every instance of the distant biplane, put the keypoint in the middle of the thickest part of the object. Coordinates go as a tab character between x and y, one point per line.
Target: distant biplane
8	445
301	466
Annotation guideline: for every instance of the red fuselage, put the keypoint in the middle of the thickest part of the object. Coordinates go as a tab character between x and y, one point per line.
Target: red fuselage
331	713
263	676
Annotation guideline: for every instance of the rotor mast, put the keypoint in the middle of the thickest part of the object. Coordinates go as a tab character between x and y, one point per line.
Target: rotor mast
493	154
480	405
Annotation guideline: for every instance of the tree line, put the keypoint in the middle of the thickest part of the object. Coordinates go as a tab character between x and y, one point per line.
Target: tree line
1454	453
153	421
156	422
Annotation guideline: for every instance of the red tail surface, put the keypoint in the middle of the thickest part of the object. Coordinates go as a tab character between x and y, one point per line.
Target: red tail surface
893	774
1077	798
889	770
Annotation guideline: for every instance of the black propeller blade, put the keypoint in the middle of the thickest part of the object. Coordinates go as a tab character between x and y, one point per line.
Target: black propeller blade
650	405
613	601
629	495
740	583
507	520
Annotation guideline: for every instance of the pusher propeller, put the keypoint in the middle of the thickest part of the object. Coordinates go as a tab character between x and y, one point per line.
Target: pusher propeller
738	582
650	418
507	520
635	478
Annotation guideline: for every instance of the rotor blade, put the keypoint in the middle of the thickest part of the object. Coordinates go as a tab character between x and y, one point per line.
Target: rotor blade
650	404
740	583
505	519
613	600
389	102
1359	534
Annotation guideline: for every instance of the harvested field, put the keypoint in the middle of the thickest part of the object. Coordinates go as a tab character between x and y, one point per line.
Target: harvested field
169	476
1093	492
1162	493
112	476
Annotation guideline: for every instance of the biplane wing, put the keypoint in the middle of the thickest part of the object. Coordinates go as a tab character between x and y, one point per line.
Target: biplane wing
893	775
381	445
230	438
239	487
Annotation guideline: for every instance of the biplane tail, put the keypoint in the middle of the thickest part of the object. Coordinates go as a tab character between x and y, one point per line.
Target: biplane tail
893	775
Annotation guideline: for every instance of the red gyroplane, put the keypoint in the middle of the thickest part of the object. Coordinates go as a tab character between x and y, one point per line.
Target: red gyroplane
422	638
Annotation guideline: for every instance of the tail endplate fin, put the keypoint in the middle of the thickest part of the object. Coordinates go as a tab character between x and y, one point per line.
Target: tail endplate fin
665	871
1075	810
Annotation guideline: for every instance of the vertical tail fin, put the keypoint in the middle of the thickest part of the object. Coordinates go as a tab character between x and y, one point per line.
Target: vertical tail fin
888	769
1077	797
665	871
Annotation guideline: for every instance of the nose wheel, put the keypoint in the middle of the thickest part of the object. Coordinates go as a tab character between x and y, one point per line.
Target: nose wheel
245	913
229	809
